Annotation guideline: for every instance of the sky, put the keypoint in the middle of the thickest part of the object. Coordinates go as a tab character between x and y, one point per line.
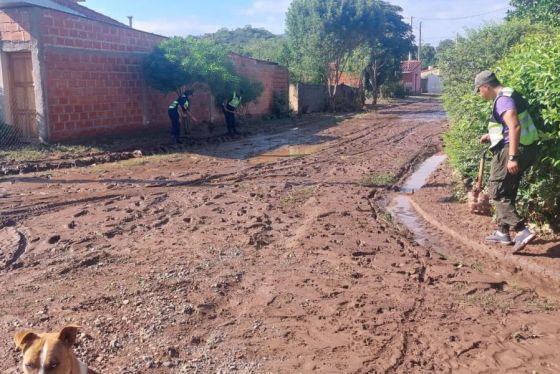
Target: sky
441	19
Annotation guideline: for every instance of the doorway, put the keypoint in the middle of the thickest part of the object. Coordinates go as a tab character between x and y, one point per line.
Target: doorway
21	94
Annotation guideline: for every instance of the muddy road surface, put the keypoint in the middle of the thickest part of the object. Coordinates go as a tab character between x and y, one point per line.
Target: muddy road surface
270	253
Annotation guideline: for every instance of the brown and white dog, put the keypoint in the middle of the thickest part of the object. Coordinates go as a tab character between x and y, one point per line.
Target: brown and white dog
50	353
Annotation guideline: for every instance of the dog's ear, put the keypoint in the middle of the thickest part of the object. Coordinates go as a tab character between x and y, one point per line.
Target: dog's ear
68	335
24	339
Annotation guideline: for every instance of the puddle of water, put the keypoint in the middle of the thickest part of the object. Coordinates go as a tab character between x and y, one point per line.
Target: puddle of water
401	211
400	207
418	179
285	152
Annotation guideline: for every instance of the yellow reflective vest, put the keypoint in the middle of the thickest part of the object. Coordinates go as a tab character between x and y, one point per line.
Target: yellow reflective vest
235	101
529	133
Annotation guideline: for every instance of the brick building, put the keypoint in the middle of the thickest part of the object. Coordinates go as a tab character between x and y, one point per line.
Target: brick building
411	76
68	72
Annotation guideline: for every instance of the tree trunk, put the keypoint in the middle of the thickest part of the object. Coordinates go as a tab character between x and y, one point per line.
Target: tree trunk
373	82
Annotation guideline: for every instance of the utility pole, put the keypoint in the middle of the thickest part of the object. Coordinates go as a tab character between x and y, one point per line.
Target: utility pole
412	32
420	42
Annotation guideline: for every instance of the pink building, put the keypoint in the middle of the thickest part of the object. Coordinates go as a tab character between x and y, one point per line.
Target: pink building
411	76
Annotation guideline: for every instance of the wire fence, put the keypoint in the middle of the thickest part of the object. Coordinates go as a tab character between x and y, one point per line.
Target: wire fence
10	137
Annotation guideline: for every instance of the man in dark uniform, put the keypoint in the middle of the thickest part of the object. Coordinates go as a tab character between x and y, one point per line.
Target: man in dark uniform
229	108
179	108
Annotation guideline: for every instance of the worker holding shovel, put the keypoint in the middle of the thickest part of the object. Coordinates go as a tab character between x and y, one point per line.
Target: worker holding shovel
513	143
229	107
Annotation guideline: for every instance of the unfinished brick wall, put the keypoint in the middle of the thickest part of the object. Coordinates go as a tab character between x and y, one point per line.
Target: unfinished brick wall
94	80
91	71
14	25
275	80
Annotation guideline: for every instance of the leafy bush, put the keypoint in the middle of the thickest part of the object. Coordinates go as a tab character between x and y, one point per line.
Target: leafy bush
533	69
480	50
530	66
280	105
182	62
544	11
393	89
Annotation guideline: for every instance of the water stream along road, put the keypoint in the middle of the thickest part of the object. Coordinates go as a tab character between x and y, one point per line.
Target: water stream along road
400	207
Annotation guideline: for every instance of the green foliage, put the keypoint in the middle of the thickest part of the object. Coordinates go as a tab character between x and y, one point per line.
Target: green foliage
480	50
525	57
280	105
323	35
389	43
533	69
392	89
543	11
428	56
253	42
162	68
178	62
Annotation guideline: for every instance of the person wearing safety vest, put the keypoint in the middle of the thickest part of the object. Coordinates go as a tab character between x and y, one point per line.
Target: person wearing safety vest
513	139
179	110
229	108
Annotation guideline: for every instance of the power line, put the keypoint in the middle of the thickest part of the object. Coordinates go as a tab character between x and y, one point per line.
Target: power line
465	17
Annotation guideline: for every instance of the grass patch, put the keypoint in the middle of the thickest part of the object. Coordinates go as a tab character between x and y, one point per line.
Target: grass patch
489	301
543	305
386	218
459	286
377	179
297	196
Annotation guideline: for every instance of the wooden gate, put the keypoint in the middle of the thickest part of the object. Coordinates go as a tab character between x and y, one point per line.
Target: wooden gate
22	94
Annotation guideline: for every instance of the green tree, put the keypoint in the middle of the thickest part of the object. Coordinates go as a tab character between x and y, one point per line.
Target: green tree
323	35
178	63
428	56
252	42
389	40
544	11
441	49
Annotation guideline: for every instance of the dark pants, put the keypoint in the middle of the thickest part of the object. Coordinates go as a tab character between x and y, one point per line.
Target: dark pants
230	119
175	123
503	186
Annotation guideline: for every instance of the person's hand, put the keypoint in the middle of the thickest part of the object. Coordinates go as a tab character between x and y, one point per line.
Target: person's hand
513	167
485	138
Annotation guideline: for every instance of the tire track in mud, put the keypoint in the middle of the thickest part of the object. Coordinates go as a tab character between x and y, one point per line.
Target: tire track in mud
9	216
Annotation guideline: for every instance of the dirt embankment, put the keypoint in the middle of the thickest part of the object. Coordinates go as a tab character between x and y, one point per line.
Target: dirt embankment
205	262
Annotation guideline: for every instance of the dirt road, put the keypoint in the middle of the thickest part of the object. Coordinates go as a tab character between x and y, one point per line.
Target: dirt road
213	261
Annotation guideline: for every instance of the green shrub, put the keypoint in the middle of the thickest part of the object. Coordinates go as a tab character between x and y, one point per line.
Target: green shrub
280	105
531	66
533	69
393	89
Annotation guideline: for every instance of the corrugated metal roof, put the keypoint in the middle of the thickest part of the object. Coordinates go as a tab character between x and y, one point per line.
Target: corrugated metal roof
40	3
66	6
410	65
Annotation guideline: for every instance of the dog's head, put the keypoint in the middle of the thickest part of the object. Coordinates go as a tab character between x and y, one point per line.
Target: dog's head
47	353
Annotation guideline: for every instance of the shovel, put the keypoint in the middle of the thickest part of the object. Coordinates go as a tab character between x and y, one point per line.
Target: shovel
478	201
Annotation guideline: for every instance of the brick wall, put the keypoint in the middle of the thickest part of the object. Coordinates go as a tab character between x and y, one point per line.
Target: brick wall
94	80
14	25
274	78
351	79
